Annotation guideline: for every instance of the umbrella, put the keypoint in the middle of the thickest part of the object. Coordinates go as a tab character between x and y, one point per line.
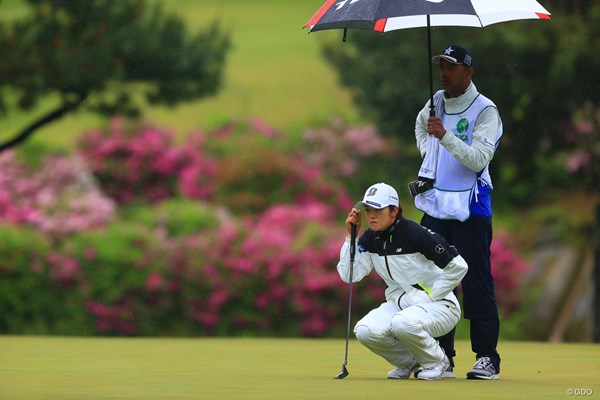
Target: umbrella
388	15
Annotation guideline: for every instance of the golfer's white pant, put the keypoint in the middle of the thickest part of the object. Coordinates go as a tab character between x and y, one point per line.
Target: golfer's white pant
405	336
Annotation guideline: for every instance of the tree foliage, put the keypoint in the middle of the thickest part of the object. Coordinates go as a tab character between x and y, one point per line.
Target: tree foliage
540	74
105	56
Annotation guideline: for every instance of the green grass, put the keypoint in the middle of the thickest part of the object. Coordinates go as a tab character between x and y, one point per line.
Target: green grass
228	369
274	71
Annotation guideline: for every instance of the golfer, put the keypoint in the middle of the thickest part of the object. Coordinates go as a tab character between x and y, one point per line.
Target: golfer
420	270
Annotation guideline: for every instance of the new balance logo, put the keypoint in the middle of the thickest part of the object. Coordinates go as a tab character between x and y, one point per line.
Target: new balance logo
399	250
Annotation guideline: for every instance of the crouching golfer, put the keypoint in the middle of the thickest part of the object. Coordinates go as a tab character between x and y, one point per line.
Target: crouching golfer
420	270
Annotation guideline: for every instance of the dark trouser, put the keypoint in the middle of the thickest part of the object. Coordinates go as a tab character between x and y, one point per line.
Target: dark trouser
472	238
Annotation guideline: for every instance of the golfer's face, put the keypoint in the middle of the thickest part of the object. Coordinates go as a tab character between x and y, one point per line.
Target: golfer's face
379	220
455	77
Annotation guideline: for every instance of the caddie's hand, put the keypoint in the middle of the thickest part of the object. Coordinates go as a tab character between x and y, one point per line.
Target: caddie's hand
353	218
435	127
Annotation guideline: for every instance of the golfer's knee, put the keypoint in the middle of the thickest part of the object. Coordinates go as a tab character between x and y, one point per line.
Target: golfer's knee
364	334
402	326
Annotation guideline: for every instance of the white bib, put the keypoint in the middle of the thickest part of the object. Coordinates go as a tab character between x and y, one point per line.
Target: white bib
455	184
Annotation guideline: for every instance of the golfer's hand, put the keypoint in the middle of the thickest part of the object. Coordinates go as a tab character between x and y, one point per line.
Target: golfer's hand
353	218
435	127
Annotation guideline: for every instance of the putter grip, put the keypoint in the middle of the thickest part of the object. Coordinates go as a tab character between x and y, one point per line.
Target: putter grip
353	235
352	242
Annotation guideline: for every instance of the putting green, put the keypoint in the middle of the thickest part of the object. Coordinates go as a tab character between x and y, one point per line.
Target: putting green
214	369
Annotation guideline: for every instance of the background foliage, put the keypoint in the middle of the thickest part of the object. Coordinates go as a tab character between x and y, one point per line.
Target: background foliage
157	259
105	58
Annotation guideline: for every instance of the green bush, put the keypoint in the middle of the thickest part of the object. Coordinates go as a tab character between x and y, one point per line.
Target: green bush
34	298
172	218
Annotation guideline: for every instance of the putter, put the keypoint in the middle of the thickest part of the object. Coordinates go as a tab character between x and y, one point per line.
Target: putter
345	372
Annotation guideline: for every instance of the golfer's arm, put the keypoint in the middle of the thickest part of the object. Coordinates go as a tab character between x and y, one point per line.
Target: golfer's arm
362	264
451	276
481	151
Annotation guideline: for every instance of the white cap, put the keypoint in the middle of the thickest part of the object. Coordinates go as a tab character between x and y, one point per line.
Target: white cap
380	196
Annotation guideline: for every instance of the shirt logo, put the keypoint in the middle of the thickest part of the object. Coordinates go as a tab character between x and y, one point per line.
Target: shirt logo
439	249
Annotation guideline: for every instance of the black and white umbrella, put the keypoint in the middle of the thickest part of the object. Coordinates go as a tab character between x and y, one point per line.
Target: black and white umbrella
388	15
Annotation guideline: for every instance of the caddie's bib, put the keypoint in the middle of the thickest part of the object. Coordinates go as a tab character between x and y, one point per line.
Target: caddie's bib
455	184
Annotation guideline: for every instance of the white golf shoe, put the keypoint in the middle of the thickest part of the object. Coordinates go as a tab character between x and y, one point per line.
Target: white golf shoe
436	372
402	373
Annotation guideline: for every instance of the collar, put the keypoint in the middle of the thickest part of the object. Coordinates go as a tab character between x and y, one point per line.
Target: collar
459	104
387	232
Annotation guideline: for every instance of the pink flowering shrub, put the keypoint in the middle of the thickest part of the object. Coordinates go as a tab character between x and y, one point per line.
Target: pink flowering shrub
138	163
238	165
358	154
34	298
270	275
508	270
582	159
340	149
230	232
60	197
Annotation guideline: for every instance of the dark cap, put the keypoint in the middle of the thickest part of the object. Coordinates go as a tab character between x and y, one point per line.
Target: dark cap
456	55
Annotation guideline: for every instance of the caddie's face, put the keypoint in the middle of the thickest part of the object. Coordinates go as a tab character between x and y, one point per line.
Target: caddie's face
380	219
455	77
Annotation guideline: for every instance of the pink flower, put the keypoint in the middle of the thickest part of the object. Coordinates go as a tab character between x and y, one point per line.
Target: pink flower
154	282
577	161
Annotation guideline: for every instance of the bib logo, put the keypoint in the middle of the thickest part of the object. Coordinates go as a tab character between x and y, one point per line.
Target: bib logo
461	127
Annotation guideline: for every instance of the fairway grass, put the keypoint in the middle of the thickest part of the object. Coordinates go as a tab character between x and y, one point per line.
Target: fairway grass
229	369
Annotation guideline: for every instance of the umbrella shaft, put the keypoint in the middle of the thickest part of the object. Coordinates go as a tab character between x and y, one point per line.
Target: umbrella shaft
431	109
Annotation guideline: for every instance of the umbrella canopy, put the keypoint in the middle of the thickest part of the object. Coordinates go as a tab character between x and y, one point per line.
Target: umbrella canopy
388	15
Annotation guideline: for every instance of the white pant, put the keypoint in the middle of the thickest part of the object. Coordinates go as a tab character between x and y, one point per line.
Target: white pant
405	336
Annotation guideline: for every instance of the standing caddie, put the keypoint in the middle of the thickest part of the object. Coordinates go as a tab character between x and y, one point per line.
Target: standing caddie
454	191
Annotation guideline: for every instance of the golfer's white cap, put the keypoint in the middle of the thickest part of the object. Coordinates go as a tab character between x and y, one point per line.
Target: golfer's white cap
381	195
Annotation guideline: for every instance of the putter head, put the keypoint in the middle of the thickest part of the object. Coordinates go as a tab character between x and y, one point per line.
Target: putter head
342	374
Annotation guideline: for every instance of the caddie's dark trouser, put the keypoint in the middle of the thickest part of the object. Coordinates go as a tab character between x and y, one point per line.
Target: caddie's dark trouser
472	238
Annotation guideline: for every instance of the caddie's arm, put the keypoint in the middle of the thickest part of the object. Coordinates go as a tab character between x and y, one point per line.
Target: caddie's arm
421	129
482	148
